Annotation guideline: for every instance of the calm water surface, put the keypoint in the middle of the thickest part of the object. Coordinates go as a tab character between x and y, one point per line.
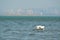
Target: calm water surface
21	28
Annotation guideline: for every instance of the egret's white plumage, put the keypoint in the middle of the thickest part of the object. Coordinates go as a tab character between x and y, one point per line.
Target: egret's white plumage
39	27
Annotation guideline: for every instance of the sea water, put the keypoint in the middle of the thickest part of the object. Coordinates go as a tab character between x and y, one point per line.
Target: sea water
22	27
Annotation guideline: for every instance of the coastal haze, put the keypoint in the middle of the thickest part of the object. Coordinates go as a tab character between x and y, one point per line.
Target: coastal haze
29	7
33	12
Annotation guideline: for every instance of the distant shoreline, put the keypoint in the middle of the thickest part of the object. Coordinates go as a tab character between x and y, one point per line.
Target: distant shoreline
31	16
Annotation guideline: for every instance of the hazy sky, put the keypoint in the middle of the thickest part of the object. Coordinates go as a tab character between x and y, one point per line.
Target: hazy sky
16	4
